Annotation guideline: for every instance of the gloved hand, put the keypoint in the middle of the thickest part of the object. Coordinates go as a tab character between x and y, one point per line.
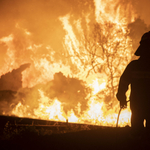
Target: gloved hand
123	104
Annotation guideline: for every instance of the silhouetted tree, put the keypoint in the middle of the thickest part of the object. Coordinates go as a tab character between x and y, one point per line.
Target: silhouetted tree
107	50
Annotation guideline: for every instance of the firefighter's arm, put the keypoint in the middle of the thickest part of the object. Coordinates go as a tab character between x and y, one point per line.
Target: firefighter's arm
121	95
124	82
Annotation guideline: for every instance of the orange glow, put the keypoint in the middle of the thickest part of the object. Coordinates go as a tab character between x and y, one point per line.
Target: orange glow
97	87
86	56
95	114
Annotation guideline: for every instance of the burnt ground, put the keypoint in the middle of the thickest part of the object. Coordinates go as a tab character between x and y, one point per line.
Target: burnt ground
70	138
103	139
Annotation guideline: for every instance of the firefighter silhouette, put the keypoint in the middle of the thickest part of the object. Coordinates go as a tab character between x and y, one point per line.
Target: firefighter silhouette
137	75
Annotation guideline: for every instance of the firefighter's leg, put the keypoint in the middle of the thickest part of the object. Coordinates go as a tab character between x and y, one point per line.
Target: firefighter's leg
148	127
137	123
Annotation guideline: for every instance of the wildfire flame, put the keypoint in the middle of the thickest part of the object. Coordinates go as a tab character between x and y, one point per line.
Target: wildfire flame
83	63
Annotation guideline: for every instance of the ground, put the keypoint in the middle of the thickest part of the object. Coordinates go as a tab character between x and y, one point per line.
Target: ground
48	135
100	139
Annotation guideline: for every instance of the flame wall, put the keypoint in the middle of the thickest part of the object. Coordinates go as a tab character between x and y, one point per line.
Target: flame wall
70	46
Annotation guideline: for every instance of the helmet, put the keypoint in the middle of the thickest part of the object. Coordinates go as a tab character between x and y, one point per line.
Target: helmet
144	47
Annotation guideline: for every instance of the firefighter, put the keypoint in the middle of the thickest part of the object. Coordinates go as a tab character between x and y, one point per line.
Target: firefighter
137	75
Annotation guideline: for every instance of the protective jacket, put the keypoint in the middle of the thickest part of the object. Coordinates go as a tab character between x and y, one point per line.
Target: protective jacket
136	74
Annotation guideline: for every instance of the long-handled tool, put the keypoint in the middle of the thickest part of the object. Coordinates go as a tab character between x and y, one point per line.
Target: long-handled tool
119	114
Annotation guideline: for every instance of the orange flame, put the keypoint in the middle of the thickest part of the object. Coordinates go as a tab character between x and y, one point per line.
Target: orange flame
42	69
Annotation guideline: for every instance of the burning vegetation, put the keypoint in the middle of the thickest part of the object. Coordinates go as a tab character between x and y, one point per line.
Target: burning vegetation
76	51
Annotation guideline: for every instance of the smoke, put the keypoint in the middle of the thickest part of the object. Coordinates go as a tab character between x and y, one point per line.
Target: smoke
35	28
142	9
38	17
13	80
69	91
41	16
10	83
41	19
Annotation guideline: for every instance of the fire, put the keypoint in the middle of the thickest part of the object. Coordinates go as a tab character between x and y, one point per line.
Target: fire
97	87
53	110
108	11
95	53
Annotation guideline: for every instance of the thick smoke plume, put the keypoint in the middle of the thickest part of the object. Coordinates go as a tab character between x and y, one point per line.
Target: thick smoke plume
68	90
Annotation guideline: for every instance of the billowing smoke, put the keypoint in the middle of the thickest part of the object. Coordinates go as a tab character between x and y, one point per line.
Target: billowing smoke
10	83
69	91
40	18
142	9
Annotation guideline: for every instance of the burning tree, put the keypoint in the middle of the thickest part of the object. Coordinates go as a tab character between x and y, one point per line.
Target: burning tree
112	45
106	50
82	73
